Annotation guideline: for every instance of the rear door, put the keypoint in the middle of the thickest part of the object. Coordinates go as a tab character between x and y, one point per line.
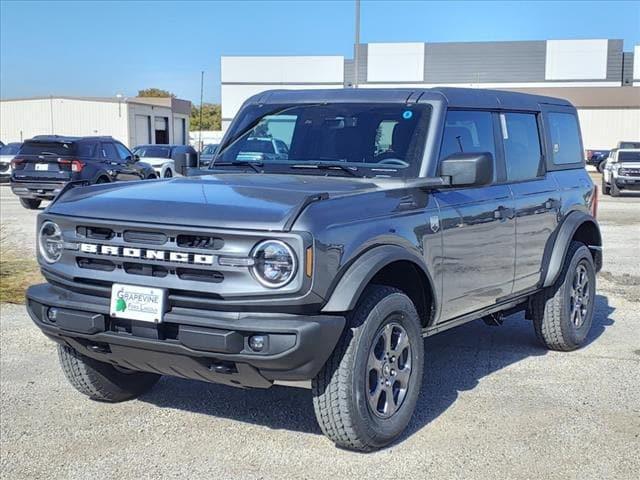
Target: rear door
536	195
478	223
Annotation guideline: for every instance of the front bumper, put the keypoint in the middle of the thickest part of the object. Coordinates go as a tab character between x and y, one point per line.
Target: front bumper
196	344
36	190
627	182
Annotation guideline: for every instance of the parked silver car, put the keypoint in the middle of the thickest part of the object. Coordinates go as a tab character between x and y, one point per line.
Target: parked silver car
7	152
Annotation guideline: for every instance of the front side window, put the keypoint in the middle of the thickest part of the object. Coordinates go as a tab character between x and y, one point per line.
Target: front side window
565	138
123	152
361	139
521	145
467	132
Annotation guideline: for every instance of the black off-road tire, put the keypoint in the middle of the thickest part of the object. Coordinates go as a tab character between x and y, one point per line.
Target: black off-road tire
600	166
340	389
168	173
606	190
30	203
615	191
151	177
552	307
101	381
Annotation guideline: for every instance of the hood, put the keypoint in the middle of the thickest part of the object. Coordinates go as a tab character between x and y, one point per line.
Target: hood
6	158
243	201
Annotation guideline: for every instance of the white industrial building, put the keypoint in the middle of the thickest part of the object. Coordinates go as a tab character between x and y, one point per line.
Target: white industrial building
133	121
597	76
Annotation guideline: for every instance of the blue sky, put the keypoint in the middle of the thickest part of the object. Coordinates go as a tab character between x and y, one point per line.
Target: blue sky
104	48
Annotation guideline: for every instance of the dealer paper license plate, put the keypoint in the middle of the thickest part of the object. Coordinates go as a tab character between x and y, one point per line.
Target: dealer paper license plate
137	303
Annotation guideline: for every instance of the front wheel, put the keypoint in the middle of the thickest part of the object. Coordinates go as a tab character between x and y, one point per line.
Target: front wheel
151	177
30	203
102	381
563	314
605	188
366	393
615	191
168	173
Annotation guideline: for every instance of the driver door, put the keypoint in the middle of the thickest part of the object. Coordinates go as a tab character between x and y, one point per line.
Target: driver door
129	169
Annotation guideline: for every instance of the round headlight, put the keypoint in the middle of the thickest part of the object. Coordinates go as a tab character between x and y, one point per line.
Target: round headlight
50	242
274	263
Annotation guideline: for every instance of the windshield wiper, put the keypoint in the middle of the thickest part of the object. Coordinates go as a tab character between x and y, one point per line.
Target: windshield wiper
327	166
243	163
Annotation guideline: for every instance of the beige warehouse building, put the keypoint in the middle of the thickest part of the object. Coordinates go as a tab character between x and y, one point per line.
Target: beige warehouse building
133	121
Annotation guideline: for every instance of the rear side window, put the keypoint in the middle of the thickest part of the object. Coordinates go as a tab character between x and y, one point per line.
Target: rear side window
521	145
86	149
565	138
467	132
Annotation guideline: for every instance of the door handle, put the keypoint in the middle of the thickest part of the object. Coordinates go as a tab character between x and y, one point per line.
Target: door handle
551	204
502	213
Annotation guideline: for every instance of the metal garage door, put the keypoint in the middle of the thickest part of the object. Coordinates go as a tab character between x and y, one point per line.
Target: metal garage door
143	129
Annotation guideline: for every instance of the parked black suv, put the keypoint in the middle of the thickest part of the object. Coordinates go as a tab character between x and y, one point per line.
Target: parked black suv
397	214
47	162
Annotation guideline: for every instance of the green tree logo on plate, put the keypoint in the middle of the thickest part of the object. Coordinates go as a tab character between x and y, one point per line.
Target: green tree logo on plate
121	305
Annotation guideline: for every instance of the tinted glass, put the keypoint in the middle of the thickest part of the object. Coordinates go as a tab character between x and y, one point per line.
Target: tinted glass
107	150
86	149
521	145
629	145
10	149
341	134
47	148
123	152
565	138
210	149
628	156
467	132
152	151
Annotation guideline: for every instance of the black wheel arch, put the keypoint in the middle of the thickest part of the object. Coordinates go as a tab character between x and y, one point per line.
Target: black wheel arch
389	265
579	226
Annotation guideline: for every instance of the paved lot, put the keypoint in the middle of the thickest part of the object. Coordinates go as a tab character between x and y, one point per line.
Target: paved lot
494	404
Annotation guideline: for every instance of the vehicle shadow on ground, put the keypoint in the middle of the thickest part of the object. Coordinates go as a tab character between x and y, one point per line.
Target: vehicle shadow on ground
456	360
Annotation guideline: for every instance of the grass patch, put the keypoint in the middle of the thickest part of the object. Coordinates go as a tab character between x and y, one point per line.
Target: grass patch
18	270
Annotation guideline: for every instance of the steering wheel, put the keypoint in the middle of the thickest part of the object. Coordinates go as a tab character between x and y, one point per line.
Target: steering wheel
394	161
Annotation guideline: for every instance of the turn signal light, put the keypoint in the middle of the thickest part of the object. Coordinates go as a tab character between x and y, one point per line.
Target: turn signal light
76	165
16	162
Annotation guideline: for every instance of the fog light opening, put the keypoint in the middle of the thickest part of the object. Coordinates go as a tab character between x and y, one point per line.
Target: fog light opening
52	314
257	342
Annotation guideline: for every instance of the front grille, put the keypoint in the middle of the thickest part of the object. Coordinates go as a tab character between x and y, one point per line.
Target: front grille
144	269
200	241
4	167
150	238
95	233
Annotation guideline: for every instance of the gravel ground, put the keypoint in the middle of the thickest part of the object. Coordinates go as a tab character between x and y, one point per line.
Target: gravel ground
494	404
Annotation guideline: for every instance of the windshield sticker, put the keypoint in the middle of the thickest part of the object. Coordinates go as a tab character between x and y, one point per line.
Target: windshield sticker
407	114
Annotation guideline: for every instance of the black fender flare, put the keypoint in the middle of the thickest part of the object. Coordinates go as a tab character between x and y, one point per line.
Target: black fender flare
565	233
347	291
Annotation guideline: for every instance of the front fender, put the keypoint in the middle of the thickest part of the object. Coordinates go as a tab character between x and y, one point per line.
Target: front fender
346	293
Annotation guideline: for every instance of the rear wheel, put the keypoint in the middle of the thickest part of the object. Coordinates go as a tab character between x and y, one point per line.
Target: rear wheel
366	393
102	180
30	203
563	314
101	381
600	166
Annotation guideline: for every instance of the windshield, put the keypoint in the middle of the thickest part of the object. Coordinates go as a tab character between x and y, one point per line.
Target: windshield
210	149
153	151
10	149
629	145
370	139
629	156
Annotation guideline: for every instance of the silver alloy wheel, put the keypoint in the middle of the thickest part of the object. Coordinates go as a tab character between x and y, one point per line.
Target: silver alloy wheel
580	295
388	370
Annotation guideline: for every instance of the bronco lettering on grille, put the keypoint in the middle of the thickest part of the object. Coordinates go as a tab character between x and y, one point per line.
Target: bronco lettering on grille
148	254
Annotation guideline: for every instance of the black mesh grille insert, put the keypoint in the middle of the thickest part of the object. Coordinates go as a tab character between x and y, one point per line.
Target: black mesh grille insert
146	270
96	264
153	238
196	275
200	241
95	233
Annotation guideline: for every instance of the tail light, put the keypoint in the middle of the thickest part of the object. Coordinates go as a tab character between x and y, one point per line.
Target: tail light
17	162
594	202
76	165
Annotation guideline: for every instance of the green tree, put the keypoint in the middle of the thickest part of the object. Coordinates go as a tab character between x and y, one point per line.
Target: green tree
211	117
155	92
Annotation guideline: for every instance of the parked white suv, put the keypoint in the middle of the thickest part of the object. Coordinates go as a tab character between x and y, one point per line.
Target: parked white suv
162	157
621	171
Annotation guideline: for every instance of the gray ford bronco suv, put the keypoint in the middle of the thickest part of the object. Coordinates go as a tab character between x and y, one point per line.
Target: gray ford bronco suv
394	215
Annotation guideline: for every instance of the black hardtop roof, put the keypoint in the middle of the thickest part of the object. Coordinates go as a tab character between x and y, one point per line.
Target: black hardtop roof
65	138
452	97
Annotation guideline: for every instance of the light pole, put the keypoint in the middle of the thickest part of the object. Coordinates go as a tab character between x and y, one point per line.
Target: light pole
357	45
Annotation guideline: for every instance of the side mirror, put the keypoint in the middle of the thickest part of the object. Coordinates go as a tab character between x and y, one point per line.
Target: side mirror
468	169
136	158
184	161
